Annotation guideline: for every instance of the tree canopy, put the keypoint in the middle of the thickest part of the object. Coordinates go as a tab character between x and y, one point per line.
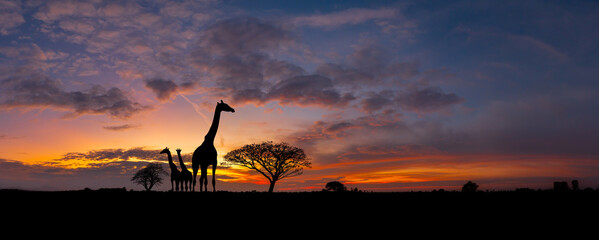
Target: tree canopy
149	176
469	187
335	186
275	161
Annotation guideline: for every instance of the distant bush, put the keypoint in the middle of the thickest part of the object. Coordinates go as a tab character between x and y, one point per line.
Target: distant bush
335	186
470	187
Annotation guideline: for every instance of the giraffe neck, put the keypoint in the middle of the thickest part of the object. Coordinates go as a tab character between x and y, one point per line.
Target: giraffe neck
209	138
170	161
183	168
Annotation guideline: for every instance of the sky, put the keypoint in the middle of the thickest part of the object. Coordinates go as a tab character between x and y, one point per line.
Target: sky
381	95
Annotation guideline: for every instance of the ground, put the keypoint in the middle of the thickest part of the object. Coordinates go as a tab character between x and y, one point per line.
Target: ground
303	210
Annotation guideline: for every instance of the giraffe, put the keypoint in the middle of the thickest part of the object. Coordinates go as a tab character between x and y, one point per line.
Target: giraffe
175	174
205	154
185	174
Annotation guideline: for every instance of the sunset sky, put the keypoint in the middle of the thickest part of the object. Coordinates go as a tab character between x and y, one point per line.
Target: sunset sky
381	95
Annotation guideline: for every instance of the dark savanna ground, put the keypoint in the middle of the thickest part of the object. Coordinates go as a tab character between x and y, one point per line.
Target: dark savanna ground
369	215
282	205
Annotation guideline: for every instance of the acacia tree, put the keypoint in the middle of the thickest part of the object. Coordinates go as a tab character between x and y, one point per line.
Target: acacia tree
149	176
274	161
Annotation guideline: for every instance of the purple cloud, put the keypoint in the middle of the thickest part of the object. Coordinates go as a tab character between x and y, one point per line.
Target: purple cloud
427	99
39	90
308	90
162	88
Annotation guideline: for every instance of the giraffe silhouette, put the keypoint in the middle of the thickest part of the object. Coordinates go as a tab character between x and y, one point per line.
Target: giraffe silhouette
185	174
175	174
205	154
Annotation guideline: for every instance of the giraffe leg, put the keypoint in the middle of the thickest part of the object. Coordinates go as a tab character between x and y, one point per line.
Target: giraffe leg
195	173
203	179
214	178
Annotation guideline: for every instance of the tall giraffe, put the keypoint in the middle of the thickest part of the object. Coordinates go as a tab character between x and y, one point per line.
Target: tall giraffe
175	174
205	154
185	174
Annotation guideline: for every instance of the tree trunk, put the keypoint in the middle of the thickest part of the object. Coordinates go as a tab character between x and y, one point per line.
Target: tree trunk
272	186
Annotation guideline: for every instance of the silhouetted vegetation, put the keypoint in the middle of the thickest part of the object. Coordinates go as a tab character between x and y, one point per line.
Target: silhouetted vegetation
560	186
470	187
335	186
274	161
575	185
149	176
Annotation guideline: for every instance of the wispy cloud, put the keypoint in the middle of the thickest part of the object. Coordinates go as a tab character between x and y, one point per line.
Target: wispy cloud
120	127
343	17
7	137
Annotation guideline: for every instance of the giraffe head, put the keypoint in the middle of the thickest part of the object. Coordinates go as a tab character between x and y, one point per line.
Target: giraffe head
166	150
224	107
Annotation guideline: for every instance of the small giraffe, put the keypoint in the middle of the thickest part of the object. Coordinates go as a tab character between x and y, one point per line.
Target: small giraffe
175	174
185	174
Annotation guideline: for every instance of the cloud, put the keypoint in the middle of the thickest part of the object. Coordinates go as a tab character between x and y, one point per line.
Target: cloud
562	121
344	75
237	53
39	90
308	90
376	101
120	127
119	9
31	57
428	99
243	35
54	10
370	152
77	26
369	64
162	88
347	16
413	99
406	87
532	43
166	89
107	157
77	170
6	137
379	124
133	39
50	176
178	9
115	154
302	90
324	130
10	16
